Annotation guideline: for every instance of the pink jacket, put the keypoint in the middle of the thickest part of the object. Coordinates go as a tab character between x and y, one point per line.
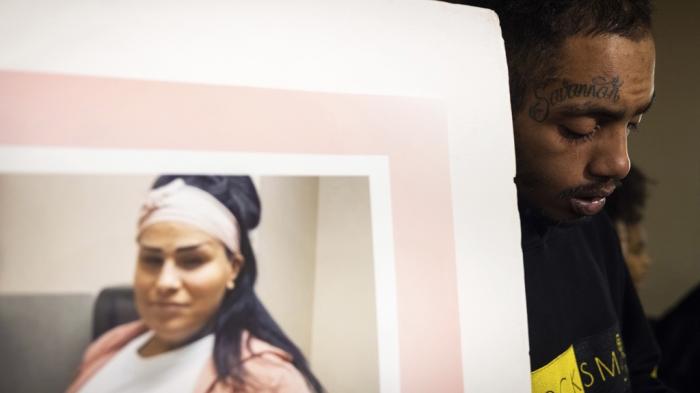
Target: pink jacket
269	368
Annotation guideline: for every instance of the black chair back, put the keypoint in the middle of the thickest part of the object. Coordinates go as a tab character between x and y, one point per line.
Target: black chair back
114	306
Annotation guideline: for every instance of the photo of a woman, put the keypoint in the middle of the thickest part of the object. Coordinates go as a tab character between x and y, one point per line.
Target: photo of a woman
202	326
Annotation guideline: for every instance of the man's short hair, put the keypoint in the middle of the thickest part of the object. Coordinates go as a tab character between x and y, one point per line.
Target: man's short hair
626	204
534	32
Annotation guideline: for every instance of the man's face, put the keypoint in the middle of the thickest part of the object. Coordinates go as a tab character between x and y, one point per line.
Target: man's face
571	135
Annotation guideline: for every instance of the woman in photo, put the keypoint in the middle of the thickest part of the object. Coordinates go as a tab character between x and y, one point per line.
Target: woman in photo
202	327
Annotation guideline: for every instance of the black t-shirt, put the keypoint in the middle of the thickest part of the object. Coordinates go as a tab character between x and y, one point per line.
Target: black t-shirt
587	329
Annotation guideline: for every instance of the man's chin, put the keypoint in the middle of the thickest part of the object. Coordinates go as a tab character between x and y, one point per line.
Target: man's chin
563	215
573	220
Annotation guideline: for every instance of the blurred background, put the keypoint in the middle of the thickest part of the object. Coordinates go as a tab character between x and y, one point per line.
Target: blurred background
667	149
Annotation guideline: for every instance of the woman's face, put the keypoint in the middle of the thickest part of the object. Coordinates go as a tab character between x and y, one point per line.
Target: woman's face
180	280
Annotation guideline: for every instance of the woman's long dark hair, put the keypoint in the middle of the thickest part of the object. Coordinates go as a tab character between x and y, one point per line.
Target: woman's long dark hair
240	309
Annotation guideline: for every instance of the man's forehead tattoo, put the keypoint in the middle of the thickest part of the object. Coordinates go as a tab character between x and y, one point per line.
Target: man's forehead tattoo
600	87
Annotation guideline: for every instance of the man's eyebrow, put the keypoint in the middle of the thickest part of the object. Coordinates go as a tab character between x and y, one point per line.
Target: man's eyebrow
595	110
592	110
646	108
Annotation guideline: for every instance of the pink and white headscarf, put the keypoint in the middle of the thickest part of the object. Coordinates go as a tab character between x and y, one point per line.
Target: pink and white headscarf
178	201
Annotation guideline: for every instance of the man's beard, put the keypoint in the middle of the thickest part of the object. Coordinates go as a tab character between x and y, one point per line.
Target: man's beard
589	188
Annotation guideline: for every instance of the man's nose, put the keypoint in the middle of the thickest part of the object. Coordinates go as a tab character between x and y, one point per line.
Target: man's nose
169	278
610	158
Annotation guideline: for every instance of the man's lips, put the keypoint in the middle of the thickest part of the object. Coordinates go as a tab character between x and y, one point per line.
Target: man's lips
588	203
587	206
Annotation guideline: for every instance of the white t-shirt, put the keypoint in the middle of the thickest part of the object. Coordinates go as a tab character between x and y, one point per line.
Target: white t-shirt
173	371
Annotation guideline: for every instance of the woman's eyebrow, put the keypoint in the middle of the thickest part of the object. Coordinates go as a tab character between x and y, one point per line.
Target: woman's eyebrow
150	248
182	249
191	248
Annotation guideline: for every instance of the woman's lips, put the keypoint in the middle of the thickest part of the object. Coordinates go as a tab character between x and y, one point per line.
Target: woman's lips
168	306
587	206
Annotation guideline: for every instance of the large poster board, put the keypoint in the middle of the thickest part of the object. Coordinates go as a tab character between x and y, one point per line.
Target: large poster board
411	95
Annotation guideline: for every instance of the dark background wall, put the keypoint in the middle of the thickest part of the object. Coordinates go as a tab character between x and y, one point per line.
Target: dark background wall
668	150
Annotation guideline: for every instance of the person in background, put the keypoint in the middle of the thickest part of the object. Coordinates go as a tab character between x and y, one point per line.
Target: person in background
678	330
625	207
202	328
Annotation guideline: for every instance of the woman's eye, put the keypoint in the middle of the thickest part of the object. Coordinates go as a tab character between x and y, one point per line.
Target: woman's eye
151	261
633	127
191	262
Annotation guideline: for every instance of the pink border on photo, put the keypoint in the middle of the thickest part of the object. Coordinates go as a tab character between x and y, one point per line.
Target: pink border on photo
91	112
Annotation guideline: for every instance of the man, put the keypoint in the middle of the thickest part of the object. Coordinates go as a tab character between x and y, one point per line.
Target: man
581	77
625	207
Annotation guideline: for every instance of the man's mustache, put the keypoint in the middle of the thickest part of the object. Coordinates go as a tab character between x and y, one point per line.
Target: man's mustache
591	189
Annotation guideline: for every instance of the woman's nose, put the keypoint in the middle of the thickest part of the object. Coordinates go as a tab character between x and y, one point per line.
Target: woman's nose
169	278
